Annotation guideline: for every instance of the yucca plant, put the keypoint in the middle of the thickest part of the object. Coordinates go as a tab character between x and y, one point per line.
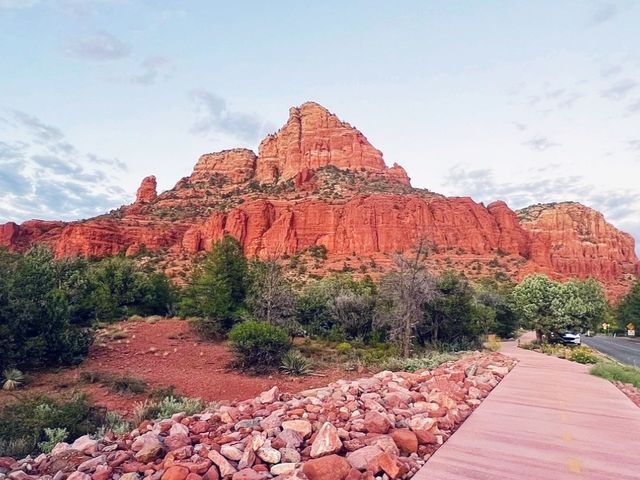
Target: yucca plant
294	363
13	378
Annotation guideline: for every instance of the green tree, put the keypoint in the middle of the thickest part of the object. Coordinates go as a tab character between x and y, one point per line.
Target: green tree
548	306
452	316
498	296
116	288
581	304
36	323
534	298
628	310
219	285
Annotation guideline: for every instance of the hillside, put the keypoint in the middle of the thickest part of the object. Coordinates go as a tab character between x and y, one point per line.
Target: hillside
318	193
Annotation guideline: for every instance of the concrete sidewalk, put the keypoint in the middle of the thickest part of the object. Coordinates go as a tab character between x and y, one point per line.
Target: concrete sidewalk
548	419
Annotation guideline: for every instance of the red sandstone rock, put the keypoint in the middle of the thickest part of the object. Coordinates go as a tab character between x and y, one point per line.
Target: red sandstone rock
331	467
228	193
406	440
147	191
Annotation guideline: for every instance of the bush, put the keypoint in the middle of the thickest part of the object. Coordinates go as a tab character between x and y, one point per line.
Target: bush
116	383
412	364
13	378
617	373
259	346
165	408
206	328
294	363
583	355
53	437
23	423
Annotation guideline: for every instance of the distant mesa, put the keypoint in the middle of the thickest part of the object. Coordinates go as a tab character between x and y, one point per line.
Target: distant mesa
319	182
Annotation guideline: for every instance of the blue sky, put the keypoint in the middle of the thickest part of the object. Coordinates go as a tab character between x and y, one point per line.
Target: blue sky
516	100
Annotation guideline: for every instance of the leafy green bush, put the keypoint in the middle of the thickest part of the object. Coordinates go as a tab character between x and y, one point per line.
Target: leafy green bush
617	372
259	346
583	355
53	437
23	422
294	363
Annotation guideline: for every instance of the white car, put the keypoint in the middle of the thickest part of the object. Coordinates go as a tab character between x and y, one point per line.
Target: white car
568	338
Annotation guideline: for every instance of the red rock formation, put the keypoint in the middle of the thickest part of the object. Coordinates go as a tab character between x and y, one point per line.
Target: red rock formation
575	240
147	191
318	181
237	165
312	138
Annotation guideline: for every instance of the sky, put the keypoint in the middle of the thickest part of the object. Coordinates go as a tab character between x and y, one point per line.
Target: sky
527	102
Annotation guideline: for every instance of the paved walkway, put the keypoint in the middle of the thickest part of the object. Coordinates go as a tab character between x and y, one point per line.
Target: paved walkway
548	419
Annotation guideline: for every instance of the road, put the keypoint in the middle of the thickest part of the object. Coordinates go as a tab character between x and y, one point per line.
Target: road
623	349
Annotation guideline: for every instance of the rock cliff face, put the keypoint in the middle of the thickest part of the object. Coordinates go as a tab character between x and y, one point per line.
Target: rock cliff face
319	182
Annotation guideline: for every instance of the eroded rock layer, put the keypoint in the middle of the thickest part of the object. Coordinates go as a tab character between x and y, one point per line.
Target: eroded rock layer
318	182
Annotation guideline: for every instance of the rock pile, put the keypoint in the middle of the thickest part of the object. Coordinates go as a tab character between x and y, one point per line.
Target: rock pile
382	427
630	391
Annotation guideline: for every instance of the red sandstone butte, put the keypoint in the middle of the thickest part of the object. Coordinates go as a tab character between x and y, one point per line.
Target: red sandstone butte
319	181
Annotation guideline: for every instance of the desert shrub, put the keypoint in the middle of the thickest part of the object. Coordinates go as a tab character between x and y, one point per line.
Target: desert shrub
53	436
344	348
294	363
116	383
617	372
493	344
12	379
316	310
23	422
259	346
126	384
583	355
206	328
158	393
412	364
166	407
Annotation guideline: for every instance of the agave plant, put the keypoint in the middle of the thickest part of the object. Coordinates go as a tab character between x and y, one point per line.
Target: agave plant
13	378
294	363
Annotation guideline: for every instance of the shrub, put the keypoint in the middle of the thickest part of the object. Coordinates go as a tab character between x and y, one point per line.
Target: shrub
294	363
165	408
617	372
53	437
13	378
23	422
259	346
344	348
412	364
126	384
583	355
116	383
206	328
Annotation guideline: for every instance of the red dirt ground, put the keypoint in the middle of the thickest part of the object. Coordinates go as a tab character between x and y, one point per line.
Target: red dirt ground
167	353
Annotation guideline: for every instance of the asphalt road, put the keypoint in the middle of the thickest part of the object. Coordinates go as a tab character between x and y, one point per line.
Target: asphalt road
623	349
